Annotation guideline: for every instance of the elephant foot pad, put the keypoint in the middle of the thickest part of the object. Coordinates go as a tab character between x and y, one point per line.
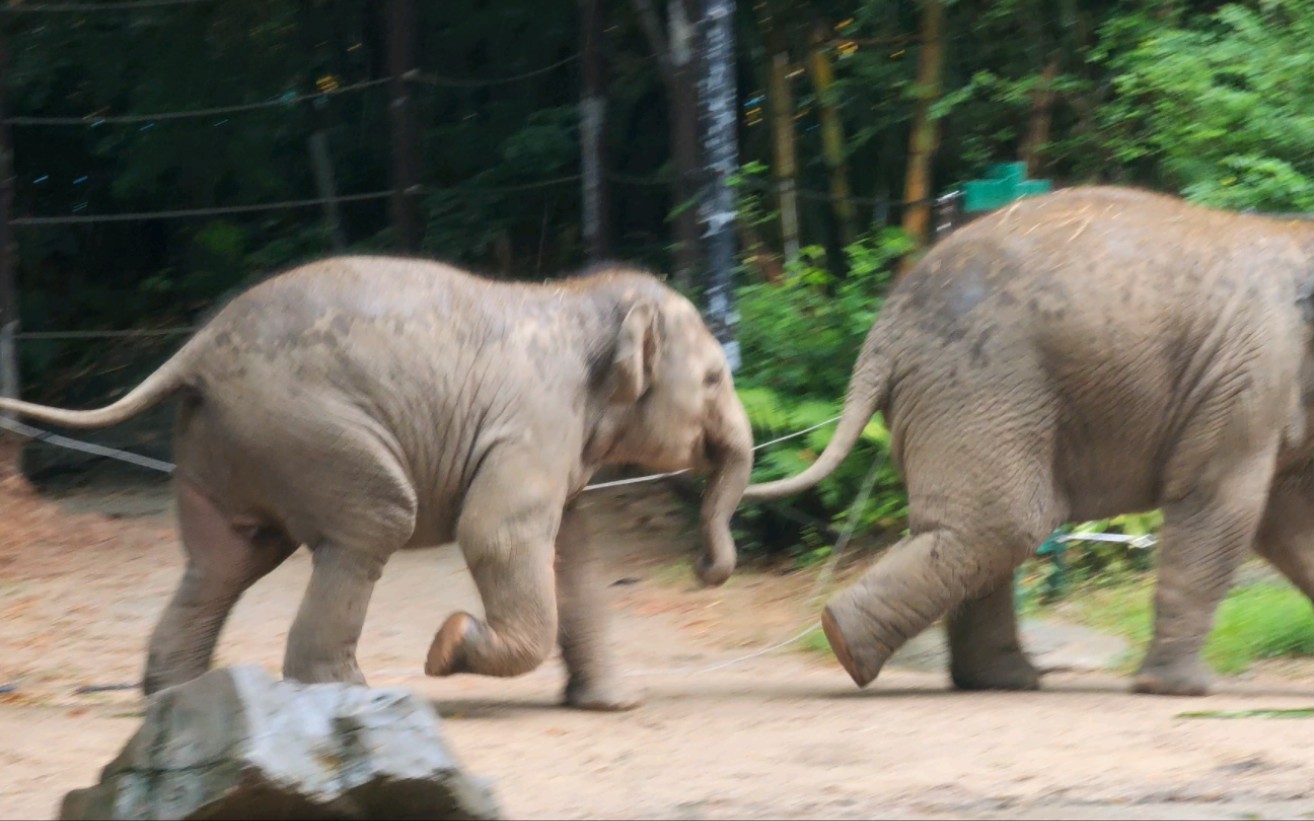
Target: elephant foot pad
445	657
604	699
841	647
1169	682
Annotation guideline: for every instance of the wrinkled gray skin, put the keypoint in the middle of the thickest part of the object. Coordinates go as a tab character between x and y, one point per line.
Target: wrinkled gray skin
358	405
1083	354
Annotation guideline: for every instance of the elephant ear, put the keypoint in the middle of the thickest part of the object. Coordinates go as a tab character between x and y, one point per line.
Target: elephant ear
637	349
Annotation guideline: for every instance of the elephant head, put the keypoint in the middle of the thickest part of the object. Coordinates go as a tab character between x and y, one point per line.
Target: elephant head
669	404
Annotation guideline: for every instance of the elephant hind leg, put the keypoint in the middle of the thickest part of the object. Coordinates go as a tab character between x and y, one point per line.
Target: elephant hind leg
935	570
507	529
1206	534
222	562
1286	533
321	646
984	650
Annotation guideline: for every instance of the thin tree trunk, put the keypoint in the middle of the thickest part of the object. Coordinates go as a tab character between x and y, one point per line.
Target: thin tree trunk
719	105
401	29
321	163
684	140
924	137
781	100
592	116
832	136
10	385
676	54
1040	117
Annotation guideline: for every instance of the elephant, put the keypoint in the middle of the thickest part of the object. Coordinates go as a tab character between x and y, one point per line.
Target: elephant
360	404
1076	355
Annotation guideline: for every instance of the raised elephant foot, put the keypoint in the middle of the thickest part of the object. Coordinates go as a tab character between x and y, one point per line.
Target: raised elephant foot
862	663
610	697
1180	679
1006	671
446	653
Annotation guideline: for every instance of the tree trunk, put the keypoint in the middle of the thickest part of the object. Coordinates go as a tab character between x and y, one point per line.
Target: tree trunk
832	136
592	122
683	92
924	136
321	163
401	28
1040	118
781	101
719	104
10	385
675	50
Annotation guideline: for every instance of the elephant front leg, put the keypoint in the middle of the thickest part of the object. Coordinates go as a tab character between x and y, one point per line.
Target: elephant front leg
984	650
506	532
594	682
1205	537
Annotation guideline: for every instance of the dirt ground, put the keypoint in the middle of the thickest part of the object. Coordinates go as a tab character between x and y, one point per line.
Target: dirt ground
784	734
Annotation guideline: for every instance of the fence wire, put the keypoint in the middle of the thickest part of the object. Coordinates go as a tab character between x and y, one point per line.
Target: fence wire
122	5
158	465
97	119
72	219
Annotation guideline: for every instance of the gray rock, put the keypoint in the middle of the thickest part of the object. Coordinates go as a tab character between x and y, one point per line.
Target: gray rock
237	743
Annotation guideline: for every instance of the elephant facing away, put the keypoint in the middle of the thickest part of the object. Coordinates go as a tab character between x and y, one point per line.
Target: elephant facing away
1078	355
357	405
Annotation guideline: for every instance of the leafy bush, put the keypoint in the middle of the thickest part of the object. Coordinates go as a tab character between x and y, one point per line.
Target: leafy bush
800	338
1263	620
1100	562
1218	105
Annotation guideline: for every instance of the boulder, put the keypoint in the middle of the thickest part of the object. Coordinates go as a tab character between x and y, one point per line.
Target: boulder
238	743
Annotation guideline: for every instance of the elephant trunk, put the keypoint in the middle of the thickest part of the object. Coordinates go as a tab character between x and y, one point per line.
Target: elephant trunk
868	389
733	448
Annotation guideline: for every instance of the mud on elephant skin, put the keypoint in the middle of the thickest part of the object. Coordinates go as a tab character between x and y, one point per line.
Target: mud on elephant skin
1074	356
357	405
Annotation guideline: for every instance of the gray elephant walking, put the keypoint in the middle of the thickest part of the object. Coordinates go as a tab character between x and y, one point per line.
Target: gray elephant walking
358	405
1079	355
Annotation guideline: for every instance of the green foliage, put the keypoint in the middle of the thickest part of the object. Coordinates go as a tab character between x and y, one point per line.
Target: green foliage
1101	563
1298	712
1263	620
803	337
1219	106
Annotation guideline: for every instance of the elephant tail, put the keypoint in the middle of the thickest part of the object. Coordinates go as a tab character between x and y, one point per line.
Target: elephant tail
869	387
167	380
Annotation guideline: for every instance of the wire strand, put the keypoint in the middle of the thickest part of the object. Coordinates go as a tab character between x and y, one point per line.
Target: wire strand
124	5
94	120
511	189
197	212
438	80
85	447
109	334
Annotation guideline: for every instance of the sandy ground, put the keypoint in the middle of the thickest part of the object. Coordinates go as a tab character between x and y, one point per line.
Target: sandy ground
783	734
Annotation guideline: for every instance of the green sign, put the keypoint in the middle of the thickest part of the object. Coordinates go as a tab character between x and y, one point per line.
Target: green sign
1004	183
